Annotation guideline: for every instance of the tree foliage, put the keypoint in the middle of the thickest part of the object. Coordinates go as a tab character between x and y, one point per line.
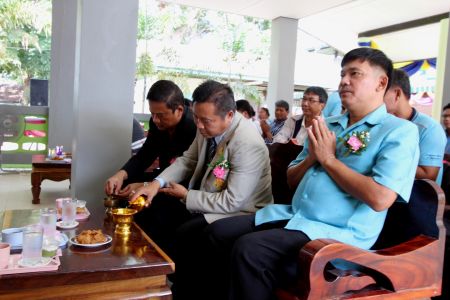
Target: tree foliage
244	40
25	28
25	39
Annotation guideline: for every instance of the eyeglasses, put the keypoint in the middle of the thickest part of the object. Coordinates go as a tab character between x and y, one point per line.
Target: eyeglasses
309	100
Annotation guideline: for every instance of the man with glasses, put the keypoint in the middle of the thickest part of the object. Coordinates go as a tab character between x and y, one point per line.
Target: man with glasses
172	130
294	129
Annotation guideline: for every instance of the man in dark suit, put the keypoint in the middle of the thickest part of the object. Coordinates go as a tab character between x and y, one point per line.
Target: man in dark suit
172	130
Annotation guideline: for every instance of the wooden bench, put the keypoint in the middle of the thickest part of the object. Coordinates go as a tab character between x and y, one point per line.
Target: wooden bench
406	263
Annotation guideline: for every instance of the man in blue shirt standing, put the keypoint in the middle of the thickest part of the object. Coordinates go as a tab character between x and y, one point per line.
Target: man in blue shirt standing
353	167
431	135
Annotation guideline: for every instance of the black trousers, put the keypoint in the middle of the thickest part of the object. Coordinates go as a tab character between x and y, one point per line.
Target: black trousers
256	259
181	234
161	220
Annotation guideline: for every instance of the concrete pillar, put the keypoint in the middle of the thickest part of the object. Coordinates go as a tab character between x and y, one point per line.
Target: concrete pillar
62	74
282	62
98	79
442	97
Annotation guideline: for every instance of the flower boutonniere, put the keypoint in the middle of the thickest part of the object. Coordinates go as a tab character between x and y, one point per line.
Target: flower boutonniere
356	142
220	170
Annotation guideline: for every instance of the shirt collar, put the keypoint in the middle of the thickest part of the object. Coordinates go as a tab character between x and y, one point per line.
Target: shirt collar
303	120
278	121
219	138
373	118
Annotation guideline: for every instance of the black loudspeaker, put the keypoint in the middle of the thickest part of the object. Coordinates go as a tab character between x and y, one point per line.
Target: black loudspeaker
39	92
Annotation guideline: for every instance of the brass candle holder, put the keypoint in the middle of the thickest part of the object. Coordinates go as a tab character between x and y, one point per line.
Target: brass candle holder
137	204
123	217
112	201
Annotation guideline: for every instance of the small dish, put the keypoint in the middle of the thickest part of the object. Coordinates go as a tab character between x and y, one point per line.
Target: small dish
44	261
63	239
73	225
74	242
12	236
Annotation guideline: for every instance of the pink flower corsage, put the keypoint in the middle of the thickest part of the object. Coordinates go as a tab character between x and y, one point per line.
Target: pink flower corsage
356	142
220	171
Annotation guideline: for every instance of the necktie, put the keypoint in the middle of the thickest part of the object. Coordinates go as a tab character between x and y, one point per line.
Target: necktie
210	149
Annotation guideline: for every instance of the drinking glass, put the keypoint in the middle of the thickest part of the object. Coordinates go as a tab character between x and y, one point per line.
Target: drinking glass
48	221
32	244
49	246
69	211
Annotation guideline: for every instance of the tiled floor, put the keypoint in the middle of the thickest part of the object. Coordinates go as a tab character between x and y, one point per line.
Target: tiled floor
15	191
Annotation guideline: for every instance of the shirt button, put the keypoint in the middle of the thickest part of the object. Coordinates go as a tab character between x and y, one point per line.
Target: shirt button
314	173
305	196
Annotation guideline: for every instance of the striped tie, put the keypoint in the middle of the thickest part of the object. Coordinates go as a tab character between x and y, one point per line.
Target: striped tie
210	149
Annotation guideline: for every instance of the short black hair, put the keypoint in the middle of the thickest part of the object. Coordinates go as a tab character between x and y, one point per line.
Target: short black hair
319	91
401	79
221	95
283	104
446	107
168	92
266	110
374	57
244	105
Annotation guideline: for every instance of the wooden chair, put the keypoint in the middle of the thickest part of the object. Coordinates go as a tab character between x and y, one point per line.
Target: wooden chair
406	262
281	156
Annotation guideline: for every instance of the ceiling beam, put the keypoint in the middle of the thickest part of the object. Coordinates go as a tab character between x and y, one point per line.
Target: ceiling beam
405	25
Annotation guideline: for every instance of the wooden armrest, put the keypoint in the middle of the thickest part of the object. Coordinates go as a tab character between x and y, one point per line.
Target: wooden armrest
409	270
387	268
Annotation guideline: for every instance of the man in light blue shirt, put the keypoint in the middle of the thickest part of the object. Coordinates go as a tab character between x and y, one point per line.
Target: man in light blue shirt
352	169
334	106
432	139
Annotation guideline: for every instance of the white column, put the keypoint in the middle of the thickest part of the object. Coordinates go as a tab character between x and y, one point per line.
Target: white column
98	85
282	62
61	87
442	97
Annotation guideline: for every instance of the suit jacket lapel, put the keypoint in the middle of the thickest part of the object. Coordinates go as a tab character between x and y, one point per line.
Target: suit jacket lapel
202	141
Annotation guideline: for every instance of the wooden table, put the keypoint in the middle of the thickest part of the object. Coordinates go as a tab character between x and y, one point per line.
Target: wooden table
47	169
125	269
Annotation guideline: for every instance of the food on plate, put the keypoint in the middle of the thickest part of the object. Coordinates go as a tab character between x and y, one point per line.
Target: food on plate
91	237
81	210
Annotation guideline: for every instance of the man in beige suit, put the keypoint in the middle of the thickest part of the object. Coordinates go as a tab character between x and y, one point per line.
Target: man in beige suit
229	171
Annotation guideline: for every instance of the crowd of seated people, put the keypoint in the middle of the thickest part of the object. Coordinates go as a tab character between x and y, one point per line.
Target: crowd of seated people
212	199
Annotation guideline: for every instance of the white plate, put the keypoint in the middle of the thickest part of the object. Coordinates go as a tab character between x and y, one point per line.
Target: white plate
60	225
74	242
44	261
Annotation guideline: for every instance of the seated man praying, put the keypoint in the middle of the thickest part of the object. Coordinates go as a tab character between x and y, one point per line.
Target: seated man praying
351	170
